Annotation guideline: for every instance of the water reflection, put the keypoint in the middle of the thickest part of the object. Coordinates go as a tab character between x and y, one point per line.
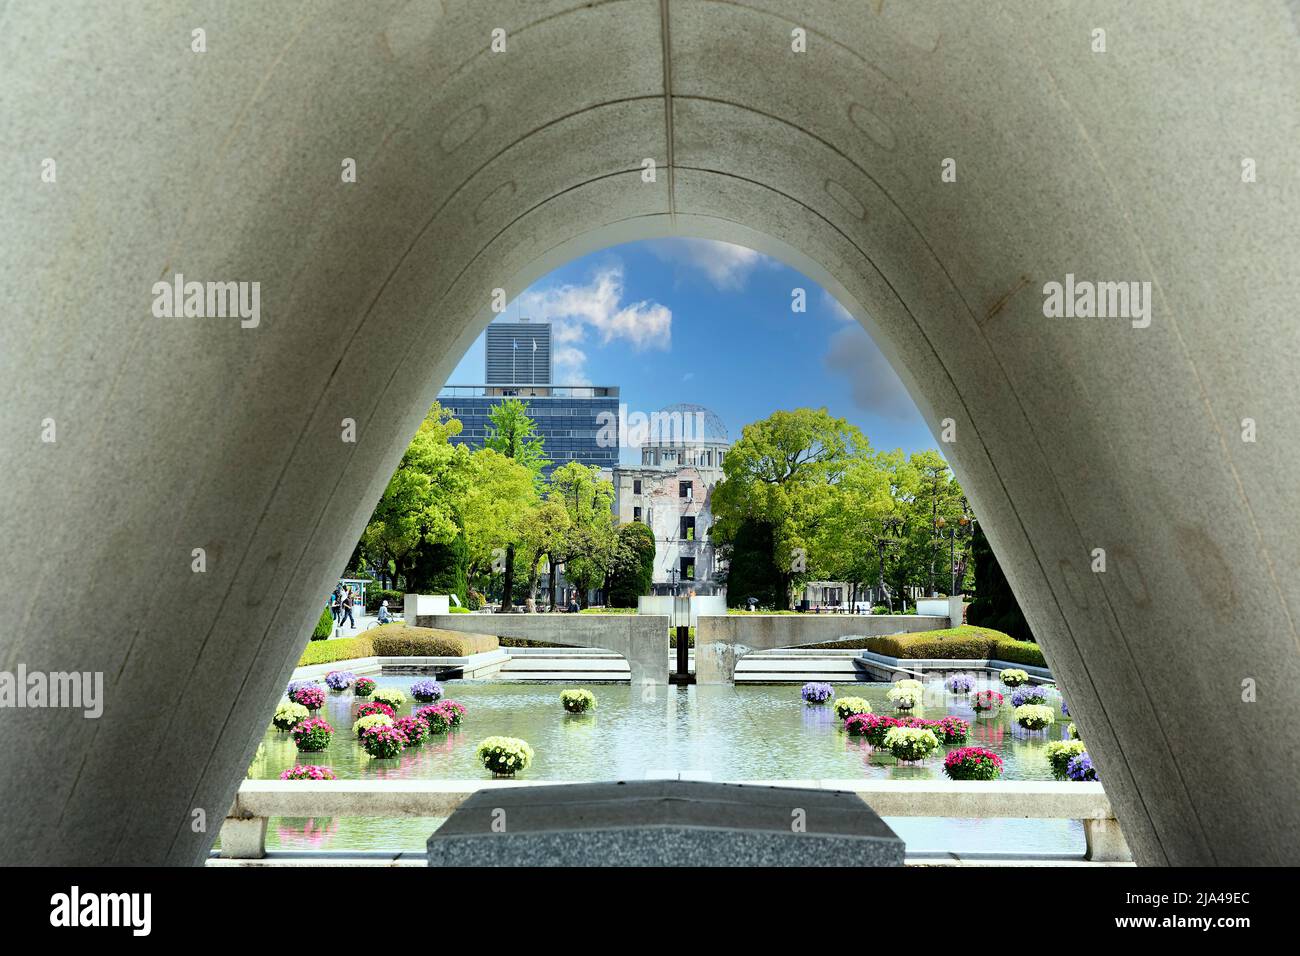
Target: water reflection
745	732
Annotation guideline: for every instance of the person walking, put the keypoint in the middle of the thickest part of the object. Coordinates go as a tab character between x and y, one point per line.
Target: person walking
347	609
335	605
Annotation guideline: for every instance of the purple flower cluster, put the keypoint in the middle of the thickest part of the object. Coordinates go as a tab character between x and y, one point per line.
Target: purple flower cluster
1065	710
960	684
426	690
339	680
1081	768
297	685
1028	695
817	692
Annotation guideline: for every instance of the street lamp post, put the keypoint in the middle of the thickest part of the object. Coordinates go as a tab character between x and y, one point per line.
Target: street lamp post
891	528
963	527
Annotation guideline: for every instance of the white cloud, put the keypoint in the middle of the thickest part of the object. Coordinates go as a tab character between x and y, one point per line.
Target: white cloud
874	385
725	265
598	306
570	365
837	310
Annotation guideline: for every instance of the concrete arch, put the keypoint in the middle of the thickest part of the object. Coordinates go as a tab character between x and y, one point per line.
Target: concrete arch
473	166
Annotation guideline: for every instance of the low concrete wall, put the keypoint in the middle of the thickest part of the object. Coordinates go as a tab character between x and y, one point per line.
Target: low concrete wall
244	830
720	640
641	638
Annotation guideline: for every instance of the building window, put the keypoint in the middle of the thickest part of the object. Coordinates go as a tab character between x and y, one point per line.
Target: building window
688	528
685	490
636	486
636	514
688	569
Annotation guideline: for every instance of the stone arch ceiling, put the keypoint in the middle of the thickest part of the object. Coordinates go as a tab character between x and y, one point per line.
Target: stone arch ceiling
479	170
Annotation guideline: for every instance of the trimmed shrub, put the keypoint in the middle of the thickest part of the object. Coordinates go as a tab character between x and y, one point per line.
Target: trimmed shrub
324	627
405	640
344	649
376	596
966	641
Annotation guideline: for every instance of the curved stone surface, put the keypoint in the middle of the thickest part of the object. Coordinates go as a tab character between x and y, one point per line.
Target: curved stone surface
479	170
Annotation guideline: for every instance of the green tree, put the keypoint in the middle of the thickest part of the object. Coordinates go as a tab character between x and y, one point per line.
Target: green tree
994	605
750	570
513	434
783	474
632	565
419	505
585	542
496	508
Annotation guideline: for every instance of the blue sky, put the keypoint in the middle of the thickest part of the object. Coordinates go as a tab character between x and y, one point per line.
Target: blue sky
704	322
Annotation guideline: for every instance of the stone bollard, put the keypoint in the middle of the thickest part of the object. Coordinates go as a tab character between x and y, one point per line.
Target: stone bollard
243	838
1105	842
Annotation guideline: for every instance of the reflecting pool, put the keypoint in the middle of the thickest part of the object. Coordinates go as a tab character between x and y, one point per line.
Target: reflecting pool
724	733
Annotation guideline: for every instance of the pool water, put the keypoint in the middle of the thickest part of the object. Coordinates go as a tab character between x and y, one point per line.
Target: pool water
718	732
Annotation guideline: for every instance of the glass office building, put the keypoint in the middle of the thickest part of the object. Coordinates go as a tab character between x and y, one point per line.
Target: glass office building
569	418
518	353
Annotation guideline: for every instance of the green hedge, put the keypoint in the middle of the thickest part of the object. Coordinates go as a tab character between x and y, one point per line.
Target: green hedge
324	627
376	595
966	641
344	649
403	640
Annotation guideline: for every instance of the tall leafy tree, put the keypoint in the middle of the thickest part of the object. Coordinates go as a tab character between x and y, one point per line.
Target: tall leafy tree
513	434
585	543
497	507
632	565
419	506
783	473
